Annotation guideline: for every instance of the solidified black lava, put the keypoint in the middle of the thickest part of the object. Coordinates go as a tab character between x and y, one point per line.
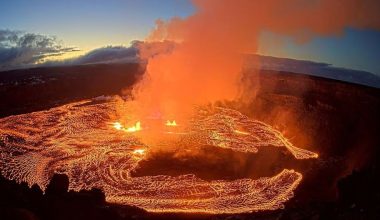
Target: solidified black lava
213	163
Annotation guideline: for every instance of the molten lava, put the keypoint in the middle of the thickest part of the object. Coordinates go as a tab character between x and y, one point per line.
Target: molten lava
77	140
241	132
119	126
136	127
139	151
171	124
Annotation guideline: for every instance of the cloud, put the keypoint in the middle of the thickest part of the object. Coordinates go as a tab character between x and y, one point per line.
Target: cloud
109	54
138	51
20	49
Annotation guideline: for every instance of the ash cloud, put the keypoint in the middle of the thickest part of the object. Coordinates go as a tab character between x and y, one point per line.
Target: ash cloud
20	49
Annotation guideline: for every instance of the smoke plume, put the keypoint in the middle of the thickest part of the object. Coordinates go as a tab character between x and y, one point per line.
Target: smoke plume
206	63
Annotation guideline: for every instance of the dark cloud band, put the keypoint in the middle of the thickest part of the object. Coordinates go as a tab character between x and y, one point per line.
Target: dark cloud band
20	49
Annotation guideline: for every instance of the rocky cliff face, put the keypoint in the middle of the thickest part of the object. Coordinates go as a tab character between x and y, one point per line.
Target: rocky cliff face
340	121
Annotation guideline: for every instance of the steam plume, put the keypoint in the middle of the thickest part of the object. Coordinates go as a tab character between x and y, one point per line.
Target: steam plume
206	63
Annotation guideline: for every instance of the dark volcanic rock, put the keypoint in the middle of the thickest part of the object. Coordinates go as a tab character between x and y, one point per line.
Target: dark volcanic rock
18	201
58	185
34	89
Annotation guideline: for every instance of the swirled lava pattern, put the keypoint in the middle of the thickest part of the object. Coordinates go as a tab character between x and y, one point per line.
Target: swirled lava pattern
80	139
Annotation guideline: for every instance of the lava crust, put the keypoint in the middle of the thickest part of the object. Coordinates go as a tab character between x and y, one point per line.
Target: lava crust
79	140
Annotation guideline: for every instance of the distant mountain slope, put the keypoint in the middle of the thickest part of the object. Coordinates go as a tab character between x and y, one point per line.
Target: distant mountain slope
34	89
314	69
130	55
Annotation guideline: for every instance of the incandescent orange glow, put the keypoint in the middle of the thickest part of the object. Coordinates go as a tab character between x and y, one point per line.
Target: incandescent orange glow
119	126
78	141
206	63
173	123
241	132
136	127
139	151
204	66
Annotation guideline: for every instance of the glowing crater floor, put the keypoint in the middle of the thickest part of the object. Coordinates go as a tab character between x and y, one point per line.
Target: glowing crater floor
78	139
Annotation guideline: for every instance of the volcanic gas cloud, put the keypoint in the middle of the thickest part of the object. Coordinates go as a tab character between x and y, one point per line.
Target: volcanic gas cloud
205	65
200	58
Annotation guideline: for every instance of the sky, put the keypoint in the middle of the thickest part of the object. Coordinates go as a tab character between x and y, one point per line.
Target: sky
91	24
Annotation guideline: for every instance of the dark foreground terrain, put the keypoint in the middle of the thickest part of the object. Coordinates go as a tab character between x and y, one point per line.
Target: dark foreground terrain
18	201
340	121
35	89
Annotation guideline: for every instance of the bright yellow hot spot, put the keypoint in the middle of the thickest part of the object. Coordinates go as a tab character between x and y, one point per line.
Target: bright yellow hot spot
173	123
139	151
135	128
241	132
117	125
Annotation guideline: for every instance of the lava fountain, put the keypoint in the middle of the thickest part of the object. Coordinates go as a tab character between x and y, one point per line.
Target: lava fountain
80	140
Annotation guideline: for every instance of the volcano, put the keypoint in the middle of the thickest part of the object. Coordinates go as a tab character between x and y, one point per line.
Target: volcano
296	136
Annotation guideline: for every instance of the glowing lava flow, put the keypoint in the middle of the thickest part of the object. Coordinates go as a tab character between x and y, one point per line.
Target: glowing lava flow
119	126
241	132
139	151
78	140
171	124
